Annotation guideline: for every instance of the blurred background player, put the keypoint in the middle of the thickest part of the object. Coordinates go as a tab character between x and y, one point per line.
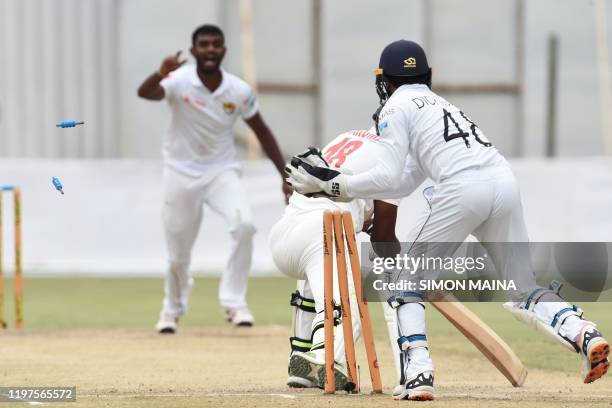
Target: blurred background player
296	242
475	192
200	168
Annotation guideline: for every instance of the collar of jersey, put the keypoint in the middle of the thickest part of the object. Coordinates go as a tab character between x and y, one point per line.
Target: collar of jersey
197	82
412	86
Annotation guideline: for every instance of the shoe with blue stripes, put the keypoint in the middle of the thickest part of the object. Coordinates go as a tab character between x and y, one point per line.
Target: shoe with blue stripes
417	388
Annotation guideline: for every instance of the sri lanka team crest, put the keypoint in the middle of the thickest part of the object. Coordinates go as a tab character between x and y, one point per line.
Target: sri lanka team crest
229	107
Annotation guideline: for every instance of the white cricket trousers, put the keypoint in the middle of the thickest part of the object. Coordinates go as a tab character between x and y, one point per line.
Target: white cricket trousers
296	243
182	213
485	203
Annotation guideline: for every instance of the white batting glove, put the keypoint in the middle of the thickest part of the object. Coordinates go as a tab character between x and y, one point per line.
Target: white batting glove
309	173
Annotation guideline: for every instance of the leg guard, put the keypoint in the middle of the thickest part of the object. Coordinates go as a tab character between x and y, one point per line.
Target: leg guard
396	301
407	337
301	373
303	316
547	317
412	340
318	336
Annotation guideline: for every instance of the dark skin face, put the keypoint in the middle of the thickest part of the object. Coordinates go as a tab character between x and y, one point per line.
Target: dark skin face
208	52
390	88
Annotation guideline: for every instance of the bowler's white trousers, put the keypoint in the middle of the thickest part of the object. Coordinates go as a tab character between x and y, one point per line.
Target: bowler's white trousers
182	213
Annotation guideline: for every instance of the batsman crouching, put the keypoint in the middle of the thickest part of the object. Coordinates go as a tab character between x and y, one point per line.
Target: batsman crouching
296	242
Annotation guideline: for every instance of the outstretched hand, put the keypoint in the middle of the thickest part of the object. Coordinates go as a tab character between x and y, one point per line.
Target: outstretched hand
171	63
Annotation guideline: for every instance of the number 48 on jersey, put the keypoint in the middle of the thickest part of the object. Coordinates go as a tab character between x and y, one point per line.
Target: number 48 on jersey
448	117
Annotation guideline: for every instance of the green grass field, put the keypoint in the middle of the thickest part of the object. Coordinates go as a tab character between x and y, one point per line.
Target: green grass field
97	334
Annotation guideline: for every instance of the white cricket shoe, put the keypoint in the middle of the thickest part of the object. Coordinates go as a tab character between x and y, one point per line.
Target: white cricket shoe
397	390
594	350
166	324
295	381
419	387
308	366
302	371
239	316
340	378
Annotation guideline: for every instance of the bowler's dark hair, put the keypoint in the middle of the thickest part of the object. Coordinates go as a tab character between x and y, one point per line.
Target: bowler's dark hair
207	29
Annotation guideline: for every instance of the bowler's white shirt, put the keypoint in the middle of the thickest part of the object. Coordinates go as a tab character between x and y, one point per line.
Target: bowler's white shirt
200	140
413	123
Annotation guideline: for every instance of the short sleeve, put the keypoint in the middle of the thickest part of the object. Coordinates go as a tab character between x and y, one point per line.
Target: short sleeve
248	105
170	84
392	201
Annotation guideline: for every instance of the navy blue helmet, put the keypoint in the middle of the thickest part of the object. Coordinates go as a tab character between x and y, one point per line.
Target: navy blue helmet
403	59
400	59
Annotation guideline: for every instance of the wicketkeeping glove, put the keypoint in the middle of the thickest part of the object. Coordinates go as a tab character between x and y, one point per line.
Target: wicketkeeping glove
309	173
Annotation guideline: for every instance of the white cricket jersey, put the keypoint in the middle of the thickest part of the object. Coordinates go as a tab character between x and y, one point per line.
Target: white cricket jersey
441	140
352	152
200	140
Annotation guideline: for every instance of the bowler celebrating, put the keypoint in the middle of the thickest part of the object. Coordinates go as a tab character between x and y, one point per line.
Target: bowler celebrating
200	168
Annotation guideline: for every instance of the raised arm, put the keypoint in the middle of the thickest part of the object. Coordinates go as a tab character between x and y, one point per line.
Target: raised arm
267	141
151	89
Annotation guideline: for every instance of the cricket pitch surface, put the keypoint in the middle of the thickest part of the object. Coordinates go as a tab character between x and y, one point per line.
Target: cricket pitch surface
237	366
97	335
